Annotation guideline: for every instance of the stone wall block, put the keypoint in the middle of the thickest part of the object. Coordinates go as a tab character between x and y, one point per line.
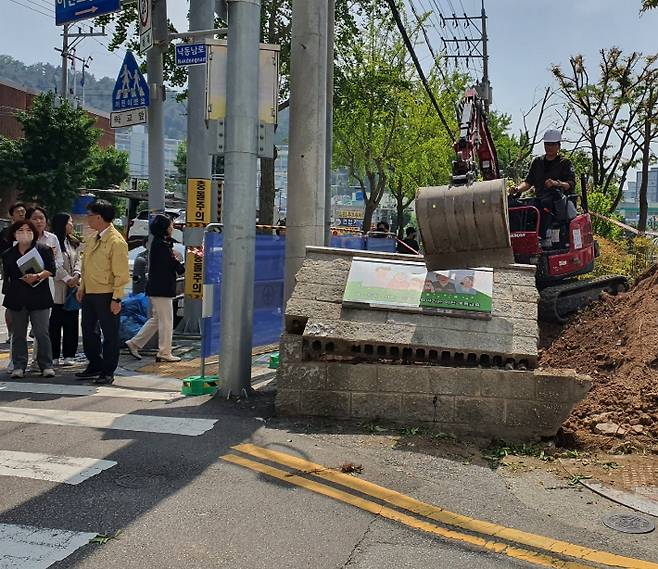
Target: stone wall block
455	381
291	348
477	412
385	406
428	408
325	404
403	378
507	384
305	376
350	377
287	401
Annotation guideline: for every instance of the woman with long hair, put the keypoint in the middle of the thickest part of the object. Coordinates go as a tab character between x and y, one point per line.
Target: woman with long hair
164	266
37	215
65	314
27	297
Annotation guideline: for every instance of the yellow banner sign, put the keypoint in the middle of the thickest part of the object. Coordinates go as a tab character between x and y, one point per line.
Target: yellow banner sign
199	204
193	275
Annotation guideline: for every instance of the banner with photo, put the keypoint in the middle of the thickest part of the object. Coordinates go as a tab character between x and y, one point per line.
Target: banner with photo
409	286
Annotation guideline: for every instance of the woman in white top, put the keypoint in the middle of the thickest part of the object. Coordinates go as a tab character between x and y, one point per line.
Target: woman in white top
65	311
37	215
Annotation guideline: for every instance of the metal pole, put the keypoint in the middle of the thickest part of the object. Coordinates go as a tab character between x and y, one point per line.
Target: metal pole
240	169
65	62
485	60
331	23
156	108
307	157
199	161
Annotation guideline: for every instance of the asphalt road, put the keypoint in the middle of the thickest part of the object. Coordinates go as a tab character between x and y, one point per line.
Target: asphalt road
175	502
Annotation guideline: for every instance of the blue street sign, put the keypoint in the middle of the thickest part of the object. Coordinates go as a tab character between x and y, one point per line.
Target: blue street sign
191	54
130	90
67	11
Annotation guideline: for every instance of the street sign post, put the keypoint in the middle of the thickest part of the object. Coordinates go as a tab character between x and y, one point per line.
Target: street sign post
68	11
130	96
145	26
191	54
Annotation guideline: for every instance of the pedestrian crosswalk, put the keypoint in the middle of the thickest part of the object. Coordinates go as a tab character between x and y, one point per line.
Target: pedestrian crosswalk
111	409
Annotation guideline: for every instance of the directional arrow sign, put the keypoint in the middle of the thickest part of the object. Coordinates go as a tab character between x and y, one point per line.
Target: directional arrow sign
67	11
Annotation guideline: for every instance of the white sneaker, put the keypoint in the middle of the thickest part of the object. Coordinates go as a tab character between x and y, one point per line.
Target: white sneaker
48	372
68	362
18	374
134	352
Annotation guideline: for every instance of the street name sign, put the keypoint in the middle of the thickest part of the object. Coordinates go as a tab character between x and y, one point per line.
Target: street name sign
145	25
130	90
191	54
68	11
123	119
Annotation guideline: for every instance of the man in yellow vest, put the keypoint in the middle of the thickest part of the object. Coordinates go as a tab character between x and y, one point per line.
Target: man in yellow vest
104	275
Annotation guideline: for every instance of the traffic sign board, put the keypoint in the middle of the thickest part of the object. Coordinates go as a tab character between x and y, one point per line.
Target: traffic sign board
191	54
145	26
67	11
130	91
123	119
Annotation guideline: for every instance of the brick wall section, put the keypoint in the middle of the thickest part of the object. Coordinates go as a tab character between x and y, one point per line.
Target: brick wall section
509	405
315	310
316	379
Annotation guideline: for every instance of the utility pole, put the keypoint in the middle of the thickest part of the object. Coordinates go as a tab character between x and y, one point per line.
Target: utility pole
65	63
307	158
199	160
240	171
477	48
331	24
155	77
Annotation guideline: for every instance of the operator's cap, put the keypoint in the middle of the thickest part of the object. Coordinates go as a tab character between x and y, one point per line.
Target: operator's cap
552	136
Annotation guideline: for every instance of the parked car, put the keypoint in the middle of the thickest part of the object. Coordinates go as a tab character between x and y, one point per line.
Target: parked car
139	227
138	278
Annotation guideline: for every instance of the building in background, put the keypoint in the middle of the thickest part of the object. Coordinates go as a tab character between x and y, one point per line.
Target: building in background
134	141
629	207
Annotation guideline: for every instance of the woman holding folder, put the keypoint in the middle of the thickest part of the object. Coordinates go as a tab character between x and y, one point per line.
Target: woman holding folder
25	268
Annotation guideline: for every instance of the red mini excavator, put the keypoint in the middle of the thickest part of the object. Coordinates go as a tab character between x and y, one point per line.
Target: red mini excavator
471	224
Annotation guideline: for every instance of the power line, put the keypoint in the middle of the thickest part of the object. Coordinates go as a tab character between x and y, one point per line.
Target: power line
419	69
31	8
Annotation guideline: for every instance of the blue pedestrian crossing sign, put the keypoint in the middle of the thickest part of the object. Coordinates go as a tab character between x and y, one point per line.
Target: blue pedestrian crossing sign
67	11
131	90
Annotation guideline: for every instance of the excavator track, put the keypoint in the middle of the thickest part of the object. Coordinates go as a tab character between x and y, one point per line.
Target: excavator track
559	302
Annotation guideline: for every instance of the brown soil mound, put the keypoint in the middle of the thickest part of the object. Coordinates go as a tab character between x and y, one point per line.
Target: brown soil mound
616	342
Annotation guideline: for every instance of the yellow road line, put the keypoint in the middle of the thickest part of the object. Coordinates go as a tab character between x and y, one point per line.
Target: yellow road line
5	356
393	515
444	516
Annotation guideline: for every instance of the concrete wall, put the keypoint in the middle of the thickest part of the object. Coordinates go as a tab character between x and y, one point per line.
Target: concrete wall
509	405
454	373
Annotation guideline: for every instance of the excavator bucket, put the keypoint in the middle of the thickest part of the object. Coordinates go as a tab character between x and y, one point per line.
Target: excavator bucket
465	226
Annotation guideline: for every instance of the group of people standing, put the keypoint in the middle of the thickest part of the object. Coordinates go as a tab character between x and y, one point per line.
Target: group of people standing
69	278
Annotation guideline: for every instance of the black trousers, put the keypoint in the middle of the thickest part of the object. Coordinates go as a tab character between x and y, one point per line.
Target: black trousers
66	321
96	313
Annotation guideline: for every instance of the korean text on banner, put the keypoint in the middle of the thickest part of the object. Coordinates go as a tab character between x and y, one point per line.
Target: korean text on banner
193	275
199	205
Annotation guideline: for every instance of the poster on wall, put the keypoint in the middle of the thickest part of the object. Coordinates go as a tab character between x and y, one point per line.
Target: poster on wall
409	286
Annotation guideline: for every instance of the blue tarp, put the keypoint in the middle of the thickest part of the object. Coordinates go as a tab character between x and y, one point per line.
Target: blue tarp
268	285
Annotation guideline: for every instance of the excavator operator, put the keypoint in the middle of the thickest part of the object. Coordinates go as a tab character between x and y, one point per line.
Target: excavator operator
552	176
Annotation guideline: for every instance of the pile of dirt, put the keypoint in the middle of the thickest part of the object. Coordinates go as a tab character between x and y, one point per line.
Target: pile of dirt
615	341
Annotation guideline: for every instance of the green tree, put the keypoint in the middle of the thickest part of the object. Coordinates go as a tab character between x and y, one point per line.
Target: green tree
56	152
181	163
108	167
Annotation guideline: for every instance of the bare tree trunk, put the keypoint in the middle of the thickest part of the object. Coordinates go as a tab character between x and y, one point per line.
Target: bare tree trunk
646	156
9	196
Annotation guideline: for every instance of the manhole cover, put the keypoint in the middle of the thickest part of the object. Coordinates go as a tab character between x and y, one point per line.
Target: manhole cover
629	523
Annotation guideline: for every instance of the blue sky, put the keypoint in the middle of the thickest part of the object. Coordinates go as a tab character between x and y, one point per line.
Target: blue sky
526	37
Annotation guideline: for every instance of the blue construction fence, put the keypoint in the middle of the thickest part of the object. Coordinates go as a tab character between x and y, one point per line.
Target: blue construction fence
268	285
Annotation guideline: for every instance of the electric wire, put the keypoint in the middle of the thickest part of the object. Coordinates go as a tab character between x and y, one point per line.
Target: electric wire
31	8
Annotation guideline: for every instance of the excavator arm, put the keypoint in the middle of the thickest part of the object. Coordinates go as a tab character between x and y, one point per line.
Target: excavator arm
466	223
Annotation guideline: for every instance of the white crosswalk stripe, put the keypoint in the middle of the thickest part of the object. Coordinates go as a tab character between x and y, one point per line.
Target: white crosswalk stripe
65	469
101	420
87	391
28	547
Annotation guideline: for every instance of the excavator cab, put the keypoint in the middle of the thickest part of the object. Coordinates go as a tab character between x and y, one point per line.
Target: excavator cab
466	223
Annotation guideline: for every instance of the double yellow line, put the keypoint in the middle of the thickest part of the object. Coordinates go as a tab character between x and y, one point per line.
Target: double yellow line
532	548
